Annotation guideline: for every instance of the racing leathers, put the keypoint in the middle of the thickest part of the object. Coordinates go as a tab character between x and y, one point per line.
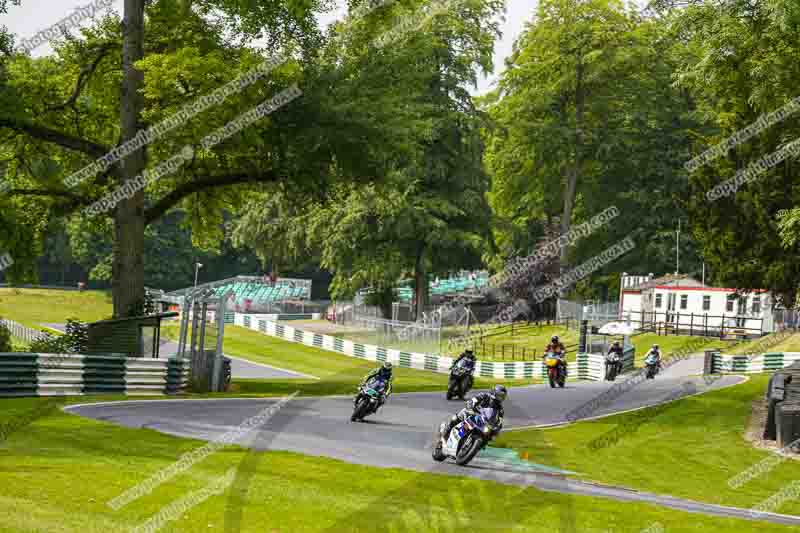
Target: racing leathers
469	356
617	349
381	373
483	400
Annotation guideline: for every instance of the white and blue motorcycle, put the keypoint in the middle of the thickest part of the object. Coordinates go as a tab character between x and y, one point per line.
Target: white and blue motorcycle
468	437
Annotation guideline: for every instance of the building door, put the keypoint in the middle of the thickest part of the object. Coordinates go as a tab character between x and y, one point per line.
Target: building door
741	311
671	307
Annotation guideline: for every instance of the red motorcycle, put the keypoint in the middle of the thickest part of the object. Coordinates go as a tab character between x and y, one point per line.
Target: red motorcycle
556	369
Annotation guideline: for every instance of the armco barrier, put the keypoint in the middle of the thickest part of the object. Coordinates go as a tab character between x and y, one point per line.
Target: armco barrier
593	366
39	374
586	366
747	364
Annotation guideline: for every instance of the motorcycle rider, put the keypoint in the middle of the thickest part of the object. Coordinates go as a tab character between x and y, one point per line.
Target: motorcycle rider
383	373
556	346
483	400
656	355
558	349
617	349
468	355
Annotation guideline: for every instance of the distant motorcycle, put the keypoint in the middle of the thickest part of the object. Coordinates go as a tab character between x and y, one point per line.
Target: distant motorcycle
460	379
368	399
653	366
612	366
469	437
556	369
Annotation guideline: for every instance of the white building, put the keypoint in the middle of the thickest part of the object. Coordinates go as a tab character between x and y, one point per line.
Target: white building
683	303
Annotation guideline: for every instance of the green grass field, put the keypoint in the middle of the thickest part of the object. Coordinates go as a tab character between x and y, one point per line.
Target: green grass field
32	307
698	441
59	472
339	374
671	344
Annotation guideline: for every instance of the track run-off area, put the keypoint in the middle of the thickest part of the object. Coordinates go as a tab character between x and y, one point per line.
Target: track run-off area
401	434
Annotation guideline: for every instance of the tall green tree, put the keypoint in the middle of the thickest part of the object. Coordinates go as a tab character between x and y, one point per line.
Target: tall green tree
429	211
742	63
586	117
104	87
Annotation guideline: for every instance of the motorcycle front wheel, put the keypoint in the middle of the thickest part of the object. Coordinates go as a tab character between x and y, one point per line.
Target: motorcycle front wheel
469	449
437	453
360	410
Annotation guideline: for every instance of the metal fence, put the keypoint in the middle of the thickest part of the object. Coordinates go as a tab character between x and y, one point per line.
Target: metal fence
22	332
597	313
696	324
783	319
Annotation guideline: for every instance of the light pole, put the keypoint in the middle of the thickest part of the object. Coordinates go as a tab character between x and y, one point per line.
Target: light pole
197	267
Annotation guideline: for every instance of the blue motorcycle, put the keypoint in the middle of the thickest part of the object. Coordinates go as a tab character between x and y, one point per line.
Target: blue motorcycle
653	364
460	379
370	396
469	437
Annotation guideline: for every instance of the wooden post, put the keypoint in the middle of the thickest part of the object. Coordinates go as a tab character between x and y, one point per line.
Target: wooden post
722	328
691	326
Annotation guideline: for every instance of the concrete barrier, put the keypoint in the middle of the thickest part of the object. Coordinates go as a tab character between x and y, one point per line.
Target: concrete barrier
39	374
586	366
748	364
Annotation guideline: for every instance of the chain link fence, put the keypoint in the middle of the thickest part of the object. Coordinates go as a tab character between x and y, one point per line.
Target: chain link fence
597	313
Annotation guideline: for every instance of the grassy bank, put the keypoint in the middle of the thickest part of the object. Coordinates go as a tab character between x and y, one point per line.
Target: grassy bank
33	307
339	374
699	441
59	472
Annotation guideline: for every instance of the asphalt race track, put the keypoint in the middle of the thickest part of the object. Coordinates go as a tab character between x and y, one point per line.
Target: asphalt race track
401	433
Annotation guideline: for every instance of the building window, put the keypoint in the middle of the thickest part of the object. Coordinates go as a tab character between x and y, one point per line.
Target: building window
684	301
729	303
658	301
756	304
706	303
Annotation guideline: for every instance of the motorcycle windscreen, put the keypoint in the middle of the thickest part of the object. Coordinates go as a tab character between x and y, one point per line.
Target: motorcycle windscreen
490	415
378	385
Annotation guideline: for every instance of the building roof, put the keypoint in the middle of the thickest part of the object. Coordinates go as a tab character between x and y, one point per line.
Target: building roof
668	280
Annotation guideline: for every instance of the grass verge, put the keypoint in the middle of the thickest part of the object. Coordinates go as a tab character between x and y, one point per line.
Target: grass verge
33	307
699	441
339	374
59	472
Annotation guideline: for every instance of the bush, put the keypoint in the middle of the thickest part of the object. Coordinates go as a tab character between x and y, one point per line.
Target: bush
5	339
73	341
77	336
48	343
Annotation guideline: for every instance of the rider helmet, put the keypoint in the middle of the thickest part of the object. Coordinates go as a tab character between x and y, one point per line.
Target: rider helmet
387	365
655	346
500	392
554	338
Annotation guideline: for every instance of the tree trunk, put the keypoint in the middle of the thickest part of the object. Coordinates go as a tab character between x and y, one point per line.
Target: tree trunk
129	224
420	283
572	177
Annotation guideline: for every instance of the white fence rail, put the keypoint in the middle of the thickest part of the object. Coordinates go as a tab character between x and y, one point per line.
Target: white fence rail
22	332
